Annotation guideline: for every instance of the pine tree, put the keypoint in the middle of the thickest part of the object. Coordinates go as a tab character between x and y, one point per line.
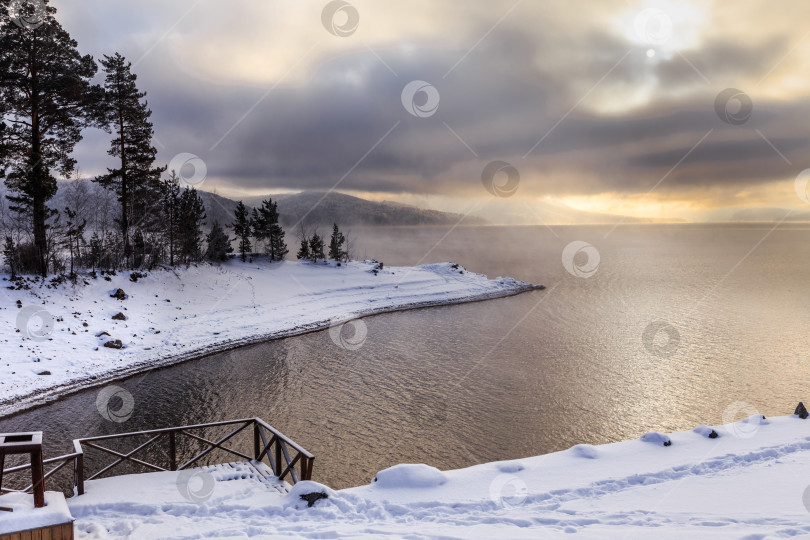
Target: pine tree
135	182
260	226
316	248
96	251
303	251
74	233
219	245
10	256
190	220
169	200
242	227
46	95
138	248
266	228
278	248
336	244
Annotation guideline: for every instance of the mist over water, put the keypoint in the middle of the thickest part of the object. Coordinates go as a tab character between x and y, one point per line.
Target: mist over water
514	377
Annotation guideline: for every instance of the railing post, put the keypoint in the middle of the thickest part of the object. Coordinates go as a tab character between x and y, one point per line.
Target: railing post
304	461
278	457
78	473
256	440
173	451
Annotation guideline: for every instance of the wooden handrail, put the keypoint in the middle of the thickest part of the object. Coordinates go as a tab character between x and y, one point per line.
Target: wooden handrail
275	451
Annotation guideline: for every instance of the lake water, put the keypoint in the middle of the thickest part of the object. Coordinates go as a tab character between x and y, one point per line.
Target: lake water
459	385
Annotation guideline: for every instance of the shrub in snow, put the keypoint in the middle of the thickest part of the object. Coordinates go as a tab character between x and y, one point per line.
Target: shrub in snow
801	411
706	431
657	438
407	475
585	451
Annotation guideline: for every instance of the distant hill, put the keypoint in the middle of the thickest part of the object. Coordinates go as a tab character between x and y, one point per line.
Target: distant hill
769	214
318	208
217	208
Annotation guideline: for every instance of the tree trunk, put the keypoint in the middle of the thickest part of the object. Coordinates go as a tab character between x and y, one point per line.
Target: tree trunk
124	198
36	173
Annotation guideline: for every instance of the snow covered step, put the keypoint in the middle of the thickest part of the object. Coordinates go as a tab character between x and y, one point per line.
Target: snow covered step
250	471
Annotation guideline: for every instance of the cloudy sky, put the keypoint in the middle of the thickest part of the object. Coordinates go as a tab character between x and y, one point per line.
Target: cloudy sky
646	108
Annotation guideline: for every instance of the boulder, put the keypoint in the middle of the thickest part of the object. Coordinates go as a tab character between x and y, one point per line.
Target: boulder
801	411
119	316
119	294
114	344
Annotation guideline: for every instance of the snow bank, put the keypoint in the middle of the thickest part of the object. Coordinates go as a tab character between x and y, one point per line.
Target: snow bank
755	485
25	517
55	337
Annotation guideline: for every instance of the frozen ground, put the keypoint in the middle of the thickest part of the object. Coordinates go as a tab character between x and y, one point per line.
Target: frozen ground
748	483
53	337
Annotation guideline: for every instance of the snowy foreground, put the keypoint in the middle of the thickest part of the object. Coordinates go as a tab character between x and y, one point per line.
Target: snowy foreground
54	336
748	483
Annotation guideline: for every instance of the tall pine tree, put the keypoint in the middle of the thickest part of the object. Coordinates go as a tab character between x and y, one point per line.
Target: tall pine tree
336	244
219	245
303	251
243	228
316	248
46	96
190	220
135	181
266	228
170	200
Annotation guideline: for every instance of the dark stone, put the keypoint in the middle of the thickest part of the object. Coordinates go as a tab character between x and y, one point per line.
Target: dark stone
713	435
119	294
312	498
119	316
46	372
801	411
667	443
114	344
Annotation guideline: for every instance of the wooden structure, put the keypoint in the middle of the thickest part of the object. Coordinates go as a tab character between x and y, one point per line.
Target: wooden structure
63	531
31	444
285	458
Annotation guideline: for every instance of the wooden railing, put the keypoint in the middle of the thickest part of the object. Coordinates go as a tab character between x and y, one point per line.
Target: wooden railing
61	462
281	453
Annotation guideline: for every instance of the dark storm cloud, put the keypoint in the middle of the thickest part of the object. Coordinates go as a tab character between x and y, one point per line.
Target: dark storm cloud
505	96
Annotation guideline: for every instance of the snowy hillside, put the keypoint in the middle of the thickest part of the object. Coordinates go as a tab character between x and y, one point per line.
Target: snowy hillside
62	337
750	482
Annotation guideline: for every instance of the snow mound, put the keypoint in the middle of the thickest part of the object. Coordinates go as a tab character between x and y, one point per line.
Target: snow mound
588	451
656	437
306	493
510	467
755	420
706	431
408	475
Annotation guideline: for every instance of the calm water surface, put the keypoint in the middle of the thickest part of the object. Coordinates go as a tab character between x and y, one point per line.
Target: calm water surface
514	377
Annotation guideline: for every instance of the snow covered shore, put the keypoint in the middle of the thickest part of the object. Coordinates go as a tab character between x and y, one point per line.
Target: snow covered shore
54	337
750	482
